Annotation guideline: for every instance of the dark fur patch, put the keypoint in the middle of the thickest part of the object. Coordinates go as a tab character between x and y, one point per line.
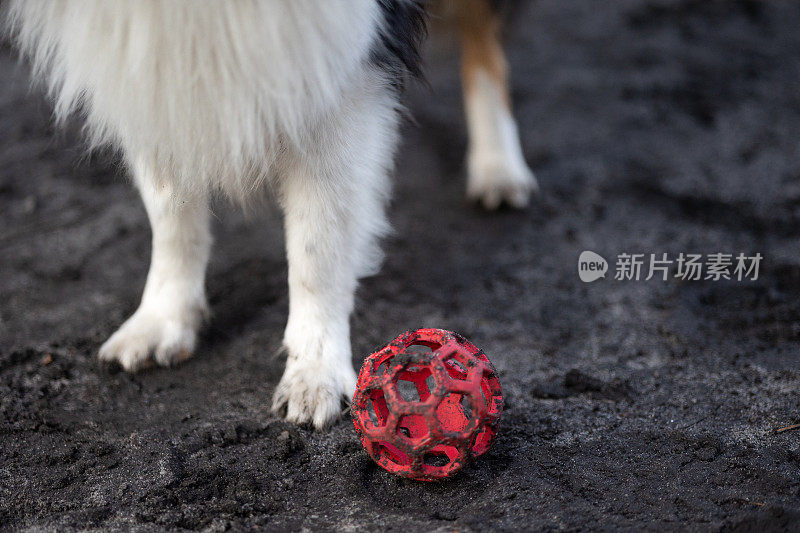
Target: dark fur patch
401	36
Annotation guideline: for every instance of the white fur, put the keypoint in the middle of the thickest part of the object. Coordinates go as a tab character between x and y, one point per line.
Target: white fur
216	95
204	91
330	243
174	301
496	168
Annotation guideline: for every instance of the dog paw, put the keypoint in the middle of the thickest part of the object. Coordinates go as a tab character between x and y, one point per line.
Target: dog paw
150	336
309	393
493	182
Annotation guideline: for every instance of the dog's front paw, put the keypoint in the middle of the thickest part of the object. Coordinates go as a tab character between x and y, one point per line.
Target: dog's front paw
495	180
153	335
311	393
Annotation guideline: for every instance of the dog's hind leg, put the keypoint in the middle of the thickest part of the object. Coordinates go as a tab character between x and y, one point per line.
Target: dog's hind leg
164	327
496	168
333	191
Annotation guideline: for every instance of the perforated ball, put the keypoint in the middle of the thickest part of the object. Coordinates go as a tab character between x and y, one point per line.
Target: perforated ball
427	404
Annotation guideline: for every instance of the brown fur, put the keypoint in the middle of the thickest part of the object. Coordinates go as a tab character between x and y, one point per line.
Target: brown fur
479	28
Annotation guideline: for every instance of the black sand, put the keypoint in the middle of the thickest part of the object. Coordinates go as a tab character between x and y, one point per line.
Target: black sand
653	126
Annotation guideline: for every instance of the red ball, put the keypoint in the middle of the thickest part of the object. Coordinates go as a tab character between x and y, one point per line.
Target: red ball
427	404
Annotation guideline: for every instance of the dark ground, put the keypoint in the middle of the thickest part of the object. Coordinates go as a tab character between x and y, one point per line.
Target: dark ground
653	126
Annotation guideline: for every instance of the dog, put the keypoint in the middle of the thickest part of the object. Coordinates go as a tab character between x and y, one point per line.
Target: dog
232	97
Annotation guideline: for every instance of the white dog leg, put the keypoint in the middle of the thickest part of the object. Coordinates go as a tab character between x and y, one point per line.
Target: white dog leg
173	306
333	193
496	167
